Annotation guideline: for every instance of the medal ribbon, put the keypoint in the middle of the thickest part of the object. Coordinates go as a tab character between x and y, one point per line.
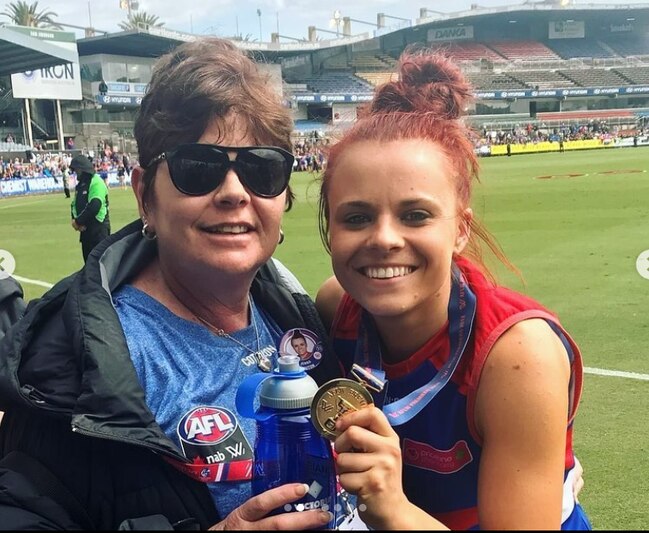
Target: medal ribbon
461	313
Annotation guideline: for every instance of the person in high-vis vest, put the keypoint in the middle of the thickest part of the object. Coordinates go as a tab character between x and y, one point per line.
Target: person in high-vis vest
90	205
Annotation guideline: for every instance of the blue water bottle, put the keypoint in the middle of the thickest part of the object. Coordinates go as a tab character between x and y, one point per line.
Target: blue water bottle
288	449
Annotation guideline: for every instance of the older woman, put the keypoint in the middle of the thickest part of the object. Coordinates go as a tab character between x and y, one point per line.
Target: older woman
119	384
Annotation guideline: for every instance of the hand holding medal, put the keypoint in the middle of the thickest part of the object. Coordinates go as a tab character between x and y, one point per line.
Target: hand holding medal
333	400
368	459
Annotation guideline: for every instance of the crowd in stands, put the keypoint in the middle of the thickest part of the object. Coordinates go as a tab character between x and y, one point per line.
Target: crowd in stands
52	164
311	151
46	164
310	154
535	133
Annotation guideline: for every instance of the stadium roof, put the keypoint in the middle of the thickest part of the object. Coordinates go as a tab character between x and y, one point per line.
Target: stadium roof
20	52
152	42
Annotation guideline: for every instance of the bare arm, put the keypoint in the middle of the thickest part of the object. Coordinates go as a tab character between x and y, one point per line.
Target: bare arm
521	413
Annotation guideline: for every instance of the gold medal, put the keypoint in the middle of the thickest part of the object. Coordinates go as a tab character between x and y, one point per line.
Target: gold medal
333	400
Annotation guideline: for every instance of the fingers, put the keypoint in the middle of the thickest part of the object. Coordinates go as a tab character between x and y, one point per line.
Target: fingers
259	506
356	462
253	513
370	417
578	483
369	471
297	521
576	488
352	482
365	430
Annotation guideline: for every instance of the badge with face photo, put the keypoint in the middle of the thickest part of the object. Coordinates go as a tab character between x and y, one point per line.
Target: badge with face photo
303	343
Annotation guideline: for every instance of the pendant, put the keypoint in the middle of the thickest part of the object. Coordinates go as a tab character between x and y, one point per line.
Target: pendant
264	363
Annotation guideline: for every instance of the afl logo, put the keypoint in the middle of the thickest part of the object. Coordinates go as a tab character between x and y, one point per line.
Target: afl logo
207	426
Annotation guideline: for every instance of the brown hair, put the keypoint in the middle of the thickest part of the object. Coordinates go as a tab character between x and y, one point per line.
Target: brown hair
203	81
427	101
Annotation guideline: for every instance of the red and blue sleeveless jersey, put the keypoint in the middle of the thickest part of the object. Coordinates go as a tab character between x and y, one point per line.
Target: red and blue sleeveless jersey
441	447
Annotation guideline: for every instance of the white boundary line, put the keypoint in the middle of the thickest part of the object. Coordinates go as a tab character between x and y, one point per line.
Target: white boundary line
11	206
616	373
33	282
587	370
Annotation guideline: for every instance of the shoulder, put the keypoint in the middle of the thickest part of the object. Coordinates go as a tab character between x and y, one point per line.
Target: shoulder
526	368
531	340
12	304
274	271
48	359
327	300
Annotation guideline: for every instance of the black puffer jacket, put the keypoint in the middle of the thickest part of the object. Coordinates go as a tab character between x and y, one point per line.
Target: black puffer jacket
79	446
12	305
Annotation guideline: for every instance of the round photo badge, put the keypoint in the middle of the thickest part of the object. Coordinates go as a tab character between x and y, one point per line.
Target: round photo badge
303	343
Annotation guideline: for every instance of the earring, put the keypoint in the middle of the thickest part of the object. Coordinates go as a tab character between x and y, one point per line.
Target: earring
147	232
281	236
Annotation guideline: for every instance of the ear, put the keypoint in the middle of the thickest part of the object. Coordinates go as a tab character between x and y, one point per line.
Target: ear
463	230
137	183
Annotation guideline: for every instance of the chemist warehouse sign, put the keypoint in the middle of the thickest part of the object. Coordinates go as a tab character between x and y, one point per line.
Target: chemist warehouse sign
58	82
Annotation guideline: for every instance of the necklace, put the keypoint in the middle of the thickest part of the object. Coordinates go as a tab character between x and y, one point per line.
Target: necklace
263	361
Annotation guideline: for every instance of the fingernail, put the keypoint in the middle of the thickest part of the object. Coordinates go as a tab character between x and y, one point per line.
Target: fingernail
327	516
302	489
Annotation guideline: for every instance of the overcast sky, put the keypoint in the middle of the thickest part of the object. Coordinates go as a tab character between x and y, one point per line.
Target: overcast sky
226	18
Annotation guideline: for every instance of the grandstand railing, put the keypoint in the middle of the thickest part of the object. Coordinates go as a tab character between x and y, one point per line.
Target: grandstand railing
546	121
558	64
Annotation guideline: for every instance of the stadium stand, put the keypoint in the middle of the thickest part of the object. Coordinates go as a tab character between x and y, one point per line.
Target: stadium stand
523	50
336	62
542	79
586	48
470	51
489	81
634	75
600	114
338	83
629	47
377	78
372	61
595	77
598	61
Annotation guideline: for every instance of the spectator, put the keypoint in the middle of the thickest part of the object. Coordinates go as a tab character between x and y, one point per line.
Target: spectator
90	205
119	368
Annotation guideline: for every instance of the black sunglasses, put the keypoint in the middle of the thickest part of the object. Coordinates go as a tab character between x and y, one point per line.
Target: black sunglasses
197	169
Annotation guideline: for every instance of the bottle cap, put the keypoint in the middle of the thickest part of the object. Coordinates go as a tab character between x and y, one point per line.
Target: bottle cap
288	388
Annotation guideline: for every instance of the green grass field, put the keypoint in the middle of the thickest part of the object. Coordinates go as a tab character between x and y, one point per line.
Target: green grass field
574	237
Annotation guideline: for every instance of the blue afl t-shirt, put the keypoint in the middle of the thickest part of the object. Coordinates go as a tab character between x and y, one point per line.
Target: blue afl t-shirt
190	378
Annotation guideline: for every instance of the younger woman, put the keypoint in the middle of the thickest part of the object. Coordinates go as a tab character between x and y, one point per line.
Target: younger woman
483	383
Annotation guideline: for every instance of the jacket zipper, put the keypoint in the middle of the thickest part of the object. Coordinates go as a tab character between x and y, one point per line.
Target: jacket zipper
134	442
35	396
